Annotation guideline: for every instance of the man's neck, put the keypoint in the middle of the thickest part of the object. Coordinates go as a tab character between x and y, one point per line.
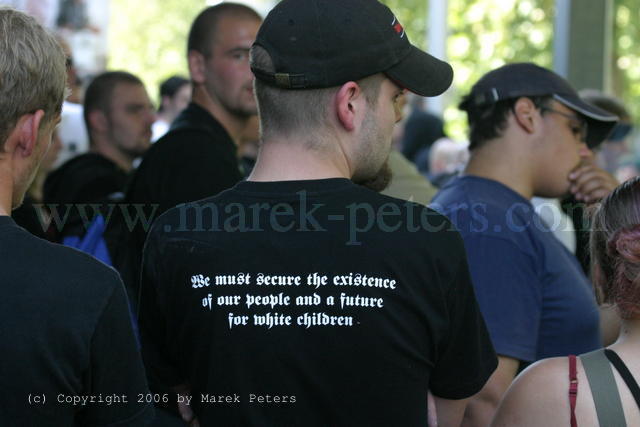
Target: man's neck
291	160
233	124
499	162
165	117
6	189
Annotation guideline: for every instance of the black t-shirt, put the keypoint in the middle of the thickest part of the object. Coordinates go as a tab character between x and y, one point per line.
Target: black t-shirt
78	190
66	338
311	303
30	217
86	178
194	160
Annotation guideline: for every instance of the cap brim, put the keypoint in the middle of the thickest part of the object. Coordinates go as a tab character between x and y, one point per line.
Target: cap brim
600	122
422	73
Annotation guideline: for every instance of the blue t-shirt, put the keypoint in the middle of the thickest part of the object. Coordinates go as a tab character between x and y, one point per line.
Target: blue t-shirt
535	299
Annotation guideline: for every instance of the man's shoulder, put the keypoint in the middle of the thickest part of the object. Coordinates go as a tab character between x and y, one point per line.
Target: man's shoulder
195	121
482	207
86	161
430	219
191	137
86	178
88	166
61	263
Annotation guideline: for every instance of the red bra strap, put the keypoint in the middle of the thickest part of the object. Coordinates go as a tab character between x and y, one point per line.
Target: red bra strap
573	389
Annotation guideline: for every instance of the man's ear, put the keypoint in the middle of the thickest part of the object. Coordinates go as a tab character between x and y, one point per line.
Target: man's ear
524	112
98	121
347	100
28	129
196	66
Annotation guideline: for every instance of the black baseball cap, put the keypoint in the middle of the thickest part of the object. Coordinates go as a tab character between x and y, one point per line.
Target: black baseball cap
326	43
527	79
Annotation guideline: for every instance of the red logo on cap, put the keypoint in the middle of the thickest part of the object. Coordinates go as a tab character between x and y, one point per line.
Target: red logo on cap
397	27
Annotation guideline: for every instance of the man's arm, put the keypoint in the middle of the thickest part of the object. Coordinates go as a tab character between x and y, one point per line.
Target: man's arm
116	368
161	371
483	405
449	412
467	359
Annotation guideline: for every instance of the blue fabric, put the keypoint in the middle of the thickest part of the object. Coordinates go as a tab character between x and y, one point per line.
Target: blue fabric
93	243
535	299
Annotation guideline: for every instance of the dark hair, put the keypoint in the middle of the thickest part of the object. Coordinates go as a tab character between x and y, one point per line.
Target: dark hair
487	122
204	26
171	86
615	249
100	90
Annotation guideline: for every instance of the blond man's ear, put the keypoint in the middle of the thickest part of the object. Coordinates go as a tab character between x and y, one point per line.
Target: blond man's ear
24	137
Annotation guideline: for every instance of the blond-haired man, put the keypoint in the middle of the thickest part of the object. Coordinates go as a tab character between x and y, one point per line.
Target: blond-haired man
69	356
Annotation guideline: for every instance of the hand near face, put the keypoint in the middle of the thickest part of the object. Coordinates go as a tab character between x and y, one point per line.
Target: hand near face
590	183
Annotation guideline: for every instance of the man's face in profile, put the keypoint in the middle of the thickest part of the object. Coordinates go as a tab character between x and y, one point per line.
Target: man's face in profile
377	134
130	118
228	78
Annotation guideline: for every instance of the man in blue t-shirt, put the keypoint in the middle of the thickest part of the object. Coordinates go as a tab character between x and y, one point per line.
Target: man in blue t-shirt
530	135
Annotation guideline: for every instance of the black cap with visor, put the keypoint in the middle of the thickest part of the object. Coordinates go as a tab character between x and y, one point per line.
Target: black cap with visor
527	79
326	43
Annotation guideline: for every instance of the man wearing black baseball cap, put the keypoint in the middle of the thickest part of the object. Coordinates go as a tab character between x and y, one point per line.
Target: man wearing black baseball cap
318	301
530	135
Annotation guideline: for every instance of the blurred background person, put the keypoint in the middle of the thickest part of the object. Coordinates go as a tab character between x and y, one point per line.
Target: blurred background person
118	115
420	130
447	158
71	130
175	95
405	181
616	148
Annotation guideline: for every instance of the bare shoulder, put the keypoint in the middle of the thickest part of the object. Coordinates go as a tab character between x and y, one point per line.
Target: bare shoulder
540	392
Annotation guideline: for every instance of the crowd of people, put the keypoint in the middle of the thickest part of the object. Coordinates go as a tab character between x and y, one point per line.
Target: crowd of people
264	250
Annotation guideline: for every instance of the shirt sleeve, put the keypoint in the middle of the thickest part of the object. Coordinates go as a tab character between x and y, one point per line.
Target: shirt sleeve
509	293
116	369
467	358
161	371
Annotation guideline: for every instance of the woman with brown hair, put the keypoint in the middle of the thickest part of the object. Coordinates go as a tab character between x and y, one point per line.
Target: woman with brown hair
597	388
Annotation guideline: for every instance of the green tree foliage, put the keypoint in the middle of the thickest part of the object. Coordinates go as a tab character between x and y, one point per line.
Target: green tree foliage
149	38
484	34
489	33
626	56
